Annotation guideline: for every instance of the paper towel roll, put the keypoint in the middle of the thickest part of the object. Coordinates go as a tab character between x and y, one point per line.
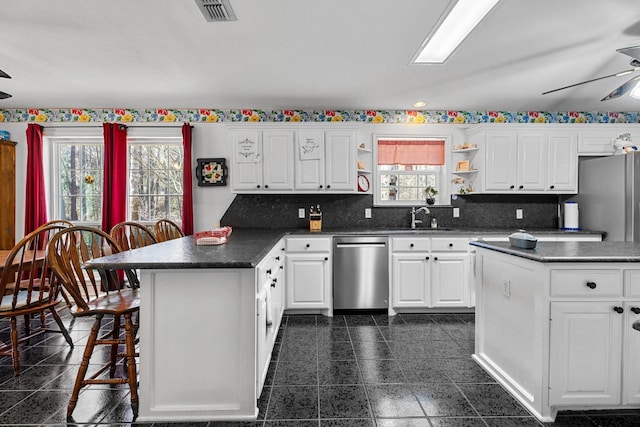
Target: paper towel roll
571	216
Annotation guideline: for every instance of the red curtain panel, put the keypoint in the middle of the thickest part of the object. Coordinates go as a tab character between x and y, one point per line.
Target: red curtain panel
35	210
187	182
114	191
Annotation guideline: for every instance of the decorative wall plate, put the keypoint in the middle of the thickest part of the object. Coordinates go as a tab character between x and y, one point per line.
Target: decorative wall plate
212	172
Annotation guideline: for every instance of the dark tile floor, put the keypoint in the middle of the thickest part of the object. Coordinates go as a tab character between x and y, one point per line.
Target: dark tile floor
349	370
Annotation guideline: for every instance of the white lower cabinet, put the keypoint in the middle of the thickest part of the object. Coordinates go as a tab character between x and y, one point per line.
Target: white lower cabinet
411	278
430	272
450	279
309	273
585	353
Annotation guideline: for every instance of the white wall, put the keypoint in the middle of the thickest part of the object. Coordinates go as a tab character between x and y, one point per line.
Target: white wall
213	140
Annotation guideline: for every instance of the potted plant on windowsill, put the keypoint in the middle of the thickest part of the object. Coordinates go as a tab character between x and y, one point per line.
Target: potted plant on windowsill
430	193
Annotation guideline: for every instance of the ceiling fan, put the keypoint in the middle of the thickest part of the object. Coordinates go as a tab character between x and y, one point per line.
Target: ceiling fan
4	95
634	53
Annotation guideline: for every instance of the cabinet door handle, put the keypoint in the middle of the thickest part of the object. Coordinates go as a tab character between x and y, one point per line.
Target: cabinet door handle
618	310
591	285
278	258
269	271
636	310
326	258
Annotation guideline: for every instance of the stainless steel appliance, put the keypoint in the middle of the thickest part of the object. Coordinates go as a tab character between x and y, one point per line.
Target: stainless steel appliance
609	196
360	272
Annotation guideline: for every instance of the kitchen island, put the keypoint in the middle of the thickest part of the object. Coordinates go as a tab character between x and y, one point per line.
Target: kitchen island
554	323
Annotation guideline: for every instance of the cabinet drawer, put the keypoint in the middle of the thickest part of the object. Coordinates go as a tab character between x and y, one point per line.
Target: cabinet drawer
585	283
308	244
450	244
632	283
410	244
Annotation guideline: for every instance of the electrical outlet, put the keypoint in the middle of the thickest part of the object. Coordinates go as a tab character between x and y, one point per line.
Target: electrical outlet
506	288
301	213
518	213
456	212
367	213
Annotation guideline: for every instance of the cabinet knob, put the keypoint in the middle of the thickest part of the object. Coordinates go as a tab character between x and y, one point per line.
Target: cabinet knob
591	285
427	258
512	187
328	186
273	284
326	258
278	258
411	245
258	186
450	245
618	310
269	271
636	310
308	245
266	186
282	267
552	187
521	187
435	258
320	185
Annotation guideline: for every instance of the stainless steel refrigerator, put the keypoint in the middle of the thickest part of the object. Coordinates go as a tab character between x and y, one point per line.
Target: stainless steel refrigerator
609	196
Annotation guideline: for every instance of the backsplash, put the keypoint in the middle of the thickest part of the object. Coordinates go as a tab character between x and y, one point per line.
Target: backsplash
347	211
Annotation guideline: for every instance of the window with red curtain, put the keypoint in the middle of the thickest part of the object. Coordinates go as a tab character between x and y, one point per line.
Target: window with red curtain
406	167
187	181
114	207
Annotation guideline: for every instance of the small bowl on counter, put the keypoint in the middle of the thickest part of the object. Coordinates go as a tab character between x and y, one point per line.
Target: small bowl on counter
522	240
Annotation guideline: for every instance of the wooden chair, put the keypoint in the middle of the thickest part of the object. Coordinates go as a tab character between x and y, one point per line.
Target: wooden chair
28	287
166	229
97	293
131	235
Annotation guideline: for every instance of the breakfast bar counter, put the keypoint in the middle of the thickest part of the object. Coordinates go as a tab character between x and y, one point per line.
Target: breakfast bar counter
554	323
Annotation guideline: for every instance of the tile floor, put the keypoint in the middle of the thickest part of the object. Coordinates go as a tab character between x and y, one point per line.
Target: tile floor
349	370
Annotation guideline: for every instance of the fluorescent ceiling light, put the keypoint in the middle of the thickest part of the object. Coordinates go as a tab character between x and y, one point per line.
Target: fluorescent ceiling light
635	92
452	29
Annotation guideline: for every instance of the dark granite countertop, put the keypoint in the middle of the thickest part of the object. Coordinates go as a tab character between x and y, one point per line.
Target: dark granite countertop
570	251
247	247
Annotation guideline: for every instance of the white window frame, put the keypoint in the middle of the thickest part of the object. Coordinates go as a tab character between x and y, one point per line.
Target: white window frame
54	136
444	195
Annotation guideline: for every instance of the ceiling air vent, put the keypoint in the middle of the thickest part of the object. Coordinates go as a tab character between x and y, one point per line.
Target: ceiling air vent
216	10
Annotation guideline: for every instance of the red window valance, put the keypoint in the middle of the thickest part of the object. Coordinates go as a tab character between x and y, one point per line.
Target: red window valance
414	152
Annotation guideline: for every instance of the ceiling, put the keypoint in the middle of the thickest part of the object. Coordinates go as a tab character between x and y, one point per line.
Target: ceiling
311	55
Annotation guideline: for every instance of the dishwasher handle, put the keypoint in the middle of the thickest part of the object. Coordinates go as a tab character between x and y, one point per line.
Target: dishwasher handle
361	245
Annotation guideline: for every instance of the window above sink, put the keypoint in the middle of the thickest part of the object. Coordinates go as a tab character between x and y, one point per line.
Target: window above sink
406	166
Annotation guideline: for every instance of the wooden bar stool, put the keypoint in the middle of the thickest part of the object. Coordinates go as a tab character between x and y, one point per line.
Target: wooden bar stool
97	293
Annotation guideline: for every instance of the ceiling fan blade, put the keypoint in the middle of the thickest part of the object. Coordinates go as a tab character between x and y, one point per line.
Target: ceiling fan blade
633	51
4	75
621	73
626	87
4	95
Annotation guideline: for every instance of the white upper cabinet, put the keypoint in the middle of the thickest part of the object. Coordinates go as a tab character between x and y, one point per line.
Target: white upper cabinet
562	163
247	160
325	161
277	151
530	160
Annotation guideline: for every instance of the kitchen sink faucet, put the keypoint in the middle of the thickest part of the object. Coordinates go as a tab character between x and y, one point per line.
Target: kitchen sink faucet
414	212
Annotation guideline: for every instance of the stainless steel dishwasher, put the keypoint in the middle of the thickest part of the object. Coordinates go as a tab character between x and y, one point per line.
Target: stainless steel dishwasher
360	272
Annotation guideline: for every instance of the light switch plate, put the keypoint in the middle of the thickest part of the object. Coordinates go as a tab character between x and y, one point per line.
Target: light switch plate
301	213
367	213
506	288
518	213
456	212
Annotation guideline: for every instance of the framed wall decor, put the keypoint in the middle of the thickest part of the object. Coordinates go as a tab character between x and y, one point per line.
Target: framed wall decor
212	172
